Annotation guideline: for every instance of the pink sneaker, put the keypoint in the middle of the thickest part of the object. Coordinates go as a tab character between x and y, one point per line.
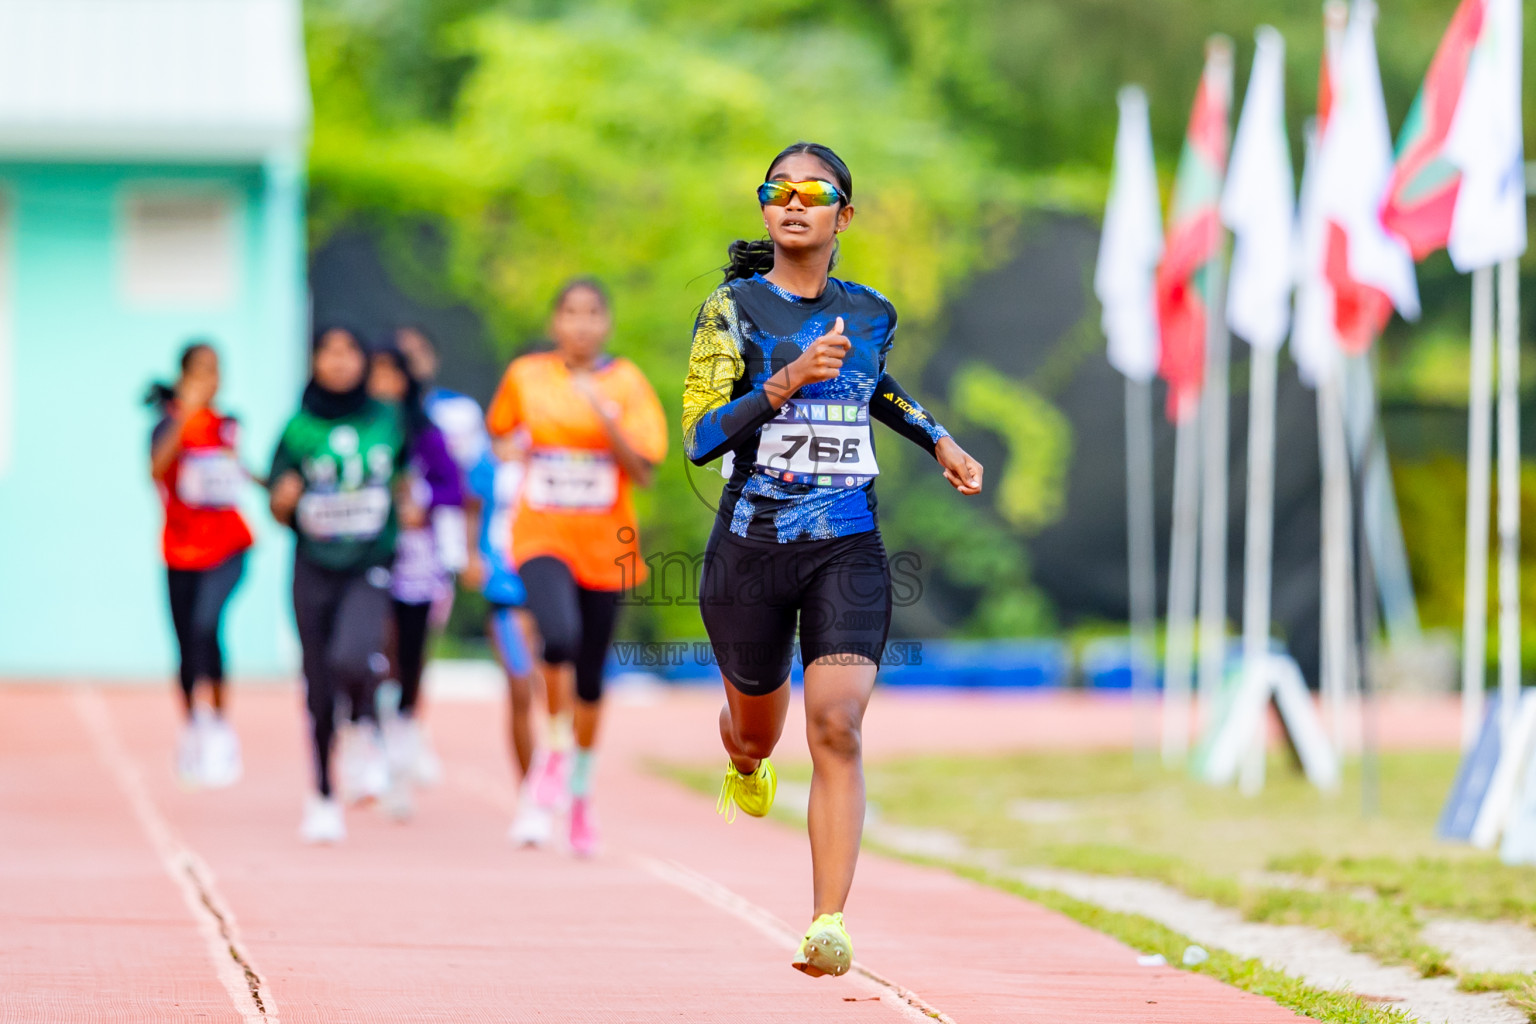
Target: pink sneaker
550	779
583	827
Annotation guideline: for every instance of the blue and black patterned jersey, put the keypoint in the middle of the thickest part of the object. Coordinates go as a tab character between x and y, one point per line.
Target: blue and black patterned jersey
747	331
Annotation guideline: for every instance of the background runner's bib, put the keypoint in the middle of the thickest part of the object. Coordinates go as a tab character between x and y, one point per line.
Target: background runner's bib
822	443
572	480
210	479
344	515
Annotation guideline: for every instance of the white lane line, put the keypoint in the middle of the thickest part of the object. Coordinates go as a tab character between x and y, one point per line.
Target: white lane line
908	1004
191	876
904	1001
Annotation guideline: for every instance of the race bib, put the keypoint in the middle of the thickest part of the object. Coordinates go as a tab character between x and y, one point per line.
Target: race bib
822	443
344	515
571	480
210	479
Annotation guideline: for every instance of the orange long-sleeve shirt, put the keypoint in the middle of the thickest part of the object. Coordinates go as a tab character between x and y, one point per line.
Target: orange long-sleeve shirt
575	504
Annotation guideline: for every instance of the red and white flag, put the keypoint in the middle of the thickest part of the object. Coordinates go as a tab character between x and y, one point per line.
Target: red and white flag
1459	180
1187	276
1369	269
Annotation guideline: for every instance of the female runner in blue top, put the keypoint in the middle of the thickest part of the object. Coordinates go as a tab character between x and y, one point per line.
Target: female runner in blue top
786	374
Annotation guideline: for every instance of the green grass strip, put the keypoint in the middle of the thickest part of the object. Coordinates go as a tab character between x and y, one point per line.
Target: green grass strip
1471	885
1148	936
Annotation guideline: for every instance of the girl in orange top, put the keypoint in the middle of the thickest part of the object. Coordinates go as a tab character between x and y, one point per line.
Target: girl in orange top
594	427
192	460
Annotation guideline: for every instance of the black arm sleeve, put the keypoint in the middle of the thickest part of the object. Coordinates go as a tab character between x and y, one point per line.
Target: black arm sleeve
731	425
895	408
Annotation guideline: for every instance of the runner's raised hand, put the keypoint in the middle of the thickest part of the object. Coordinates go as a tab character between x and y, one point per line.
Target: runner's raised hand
821	360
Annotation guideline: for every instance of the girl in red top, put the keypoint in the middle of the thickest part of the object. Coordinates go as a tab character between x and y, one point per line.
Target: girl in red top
192	460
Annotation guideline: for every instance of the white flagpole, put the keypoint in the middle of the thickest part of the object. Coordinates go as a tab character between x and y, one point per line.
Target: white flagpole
1509	493
1141	549
1474	629
1181	589
1213	496
1338	610
1328	665
1257	565
1124	280
1258	205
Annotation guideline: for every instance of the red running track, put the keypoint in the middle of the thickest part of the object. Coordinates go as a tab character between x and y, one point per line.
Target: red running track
124	898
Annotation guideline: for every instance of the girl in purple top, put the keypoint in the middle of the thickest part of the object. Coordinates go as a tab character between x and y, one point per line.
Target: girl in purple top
431	547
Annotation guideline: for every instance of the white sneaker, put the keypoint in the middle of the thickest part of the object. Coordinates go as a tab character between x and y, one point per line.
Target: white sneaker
364	766
533	825
323	820
189	754
221	761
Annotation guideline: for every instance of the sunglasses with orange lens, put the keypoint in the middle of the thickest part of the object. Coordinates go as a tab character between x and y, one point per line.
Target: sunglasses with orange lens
814	192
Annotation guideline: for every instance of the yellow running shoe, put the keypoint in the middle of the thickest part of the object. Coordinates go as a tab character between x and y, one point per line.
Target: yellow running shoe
826	948
752	793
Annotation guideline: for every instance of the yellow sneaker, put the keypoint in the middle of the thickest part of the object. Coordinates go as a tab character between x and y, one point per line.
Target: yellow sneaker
826	948
752	793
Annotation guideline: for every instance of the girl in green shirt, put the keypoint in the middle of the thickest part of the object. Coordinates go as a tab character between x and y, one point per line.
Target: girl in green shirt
336	480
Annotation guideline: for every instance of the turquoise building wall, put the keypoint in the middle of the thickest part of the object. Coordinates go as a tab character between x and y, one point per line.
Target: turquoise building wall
82	585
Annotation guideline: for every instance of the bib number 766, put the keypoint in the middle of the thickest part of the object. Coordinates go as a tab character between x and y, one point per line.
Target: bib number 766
822	449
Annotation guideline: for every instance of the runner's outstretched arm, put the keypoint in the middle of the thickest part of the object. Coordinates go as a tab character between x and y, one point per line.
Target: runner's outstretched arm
898	410
892	406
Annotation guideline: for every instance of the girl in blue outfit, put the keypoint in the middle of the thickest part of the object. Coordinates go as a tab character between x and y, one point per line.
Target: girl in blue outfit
495	481
787	374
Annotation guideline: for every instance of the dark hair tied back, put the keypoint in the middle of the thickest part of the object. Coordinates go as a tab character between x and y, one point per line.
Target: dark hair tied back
747	259
159	395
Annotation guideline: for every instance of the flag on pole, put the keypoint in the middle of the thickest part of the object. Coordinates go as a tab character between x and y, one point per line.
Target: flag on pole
1131	245
1259	204
1459	181
1422	194
1369	269
1314	339
1488	225
1184	279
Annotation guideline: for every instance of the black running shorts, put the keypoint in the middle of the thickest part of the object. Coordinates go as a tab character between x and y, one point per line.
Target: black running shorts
753	594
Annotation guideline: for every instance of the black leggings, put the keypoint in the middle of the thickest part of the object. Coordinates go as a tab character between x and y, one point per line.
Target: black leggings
575	623
341	618
198	597
411	627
